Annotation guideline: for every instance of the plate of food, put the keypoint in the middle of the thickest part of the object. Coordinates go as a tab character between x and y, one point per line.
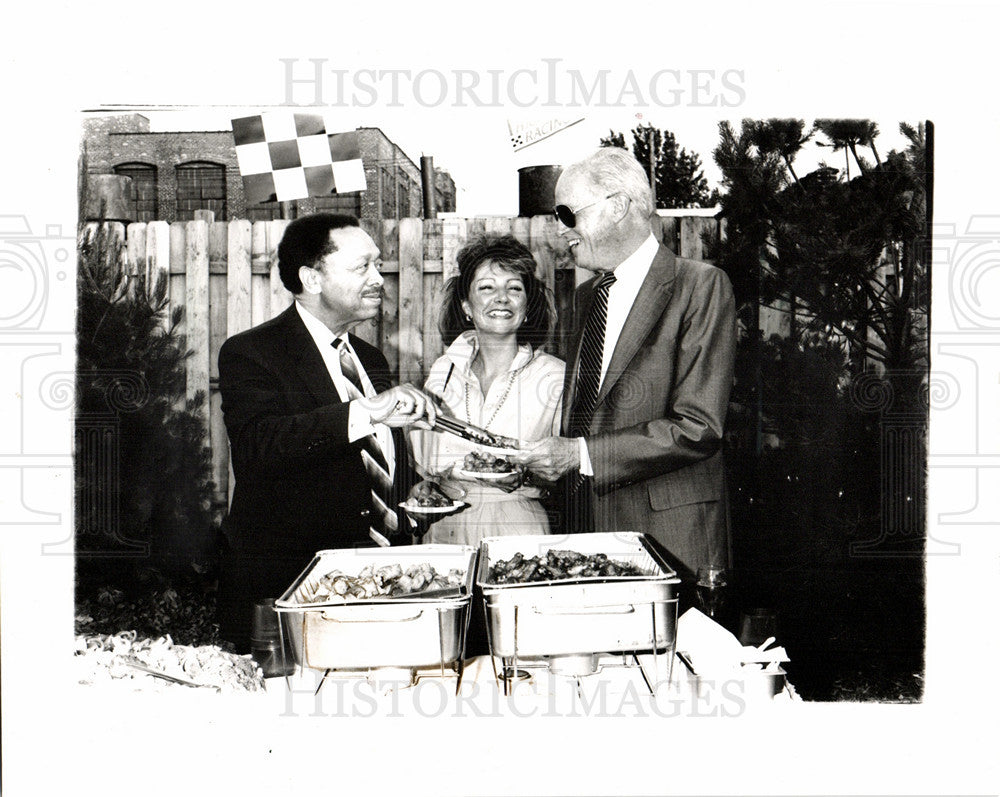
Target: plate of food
487	466
431	500
423	509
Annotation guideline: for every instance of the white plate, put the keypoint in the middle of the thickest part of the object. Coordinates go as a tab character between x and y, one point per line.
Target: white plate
499	452
488	476
432	510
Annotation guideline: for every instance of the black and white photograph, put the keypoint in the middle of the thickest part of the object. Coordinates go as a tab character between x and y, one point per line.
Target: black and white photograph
546	401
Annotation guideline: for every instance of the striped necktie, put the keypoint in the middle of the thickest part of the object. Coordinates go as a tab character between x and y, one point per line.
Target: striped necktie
588	379
385	521
580	509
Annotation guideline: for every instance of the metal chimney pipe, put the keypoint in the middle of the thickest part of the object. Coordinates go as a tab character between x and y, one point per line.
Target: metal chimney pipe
429	190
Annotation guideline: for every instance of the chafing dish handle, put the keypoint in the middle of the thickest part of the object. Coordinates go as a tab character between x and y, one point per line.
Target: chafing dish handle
290	592
585	610
656	556
330	619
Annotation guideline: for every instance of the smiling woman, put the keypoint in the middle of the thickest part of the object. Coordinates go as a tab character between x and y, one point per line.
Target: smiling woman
497	302
496	317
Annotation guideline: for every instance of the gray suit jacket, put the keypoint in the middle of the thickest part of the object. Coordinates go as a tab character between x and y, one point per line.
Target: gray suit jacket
655	440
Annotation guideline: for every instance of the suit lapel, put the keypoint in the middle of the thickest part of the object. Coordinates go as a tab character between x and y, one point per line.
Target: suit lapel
305	360
646	310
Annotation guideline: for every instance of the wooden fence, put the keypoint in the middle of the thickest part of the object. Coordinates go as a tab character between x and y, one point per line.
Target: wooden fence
225	276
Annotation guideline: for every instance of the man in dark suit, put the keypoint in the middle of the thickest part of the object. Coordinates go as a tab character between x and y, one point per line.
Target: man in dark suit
651	368
311	417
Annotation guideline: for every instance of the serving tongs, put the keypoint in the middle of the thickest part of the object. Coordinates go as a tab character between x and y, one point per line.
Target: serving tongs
473	433
135	664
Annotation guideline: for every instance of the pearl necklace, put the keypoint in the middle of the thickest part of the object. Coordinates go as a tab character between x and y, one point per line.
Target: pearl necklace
496	409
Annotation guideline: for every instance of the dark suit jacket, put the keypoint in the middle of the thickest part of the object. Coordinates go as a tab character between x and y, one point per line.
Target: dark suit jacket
300	485
656	436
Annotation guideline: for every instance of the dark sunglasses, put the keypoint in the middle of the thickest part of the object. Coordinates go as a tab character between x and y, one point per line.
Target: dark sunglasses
568	217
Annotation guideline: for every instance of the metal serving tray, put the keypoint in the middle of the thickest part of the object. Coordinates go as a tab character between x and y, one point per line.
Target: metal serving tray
580	616
406	632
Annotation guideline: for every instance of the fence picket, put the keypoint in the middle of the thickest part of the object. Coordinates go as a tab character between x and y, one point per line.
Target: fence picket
433	346
542	248
690	242
668	233
389	331
520	228
196	297
177	276
411	294
238	256
281	299
497	225
455	235
135	248
158	260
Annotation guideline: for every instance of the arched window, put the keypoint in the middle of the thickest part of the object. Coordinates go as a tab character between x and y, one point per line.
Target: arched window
143	188
201	186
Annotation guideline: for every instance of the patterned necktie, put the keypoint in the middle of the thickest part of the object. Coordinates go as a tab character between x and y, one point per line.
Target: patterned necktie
385	521
588	379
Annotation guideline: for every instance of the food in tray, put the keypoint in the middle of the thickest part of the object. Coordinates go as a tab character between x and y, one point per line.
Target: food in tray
387	581
558	565
430	495
484	462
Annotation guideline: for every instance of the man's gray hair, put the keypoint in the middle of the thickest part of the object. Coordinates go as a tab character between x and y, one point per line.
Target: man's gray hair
613	169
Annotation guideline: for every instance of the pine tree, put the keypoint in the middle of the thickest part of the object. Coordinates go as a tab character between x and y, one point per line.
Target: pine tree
680	181
142	466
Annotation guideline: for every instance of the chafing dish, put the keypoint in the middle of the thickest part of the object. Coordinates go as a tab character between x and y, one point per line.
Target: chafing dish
570	621
408	631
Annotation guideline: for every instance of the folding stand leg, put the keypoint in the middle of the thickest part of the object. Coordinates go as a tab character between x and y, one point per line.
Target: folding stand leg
656	658
463	634
440	612
512	673
322	681
490	645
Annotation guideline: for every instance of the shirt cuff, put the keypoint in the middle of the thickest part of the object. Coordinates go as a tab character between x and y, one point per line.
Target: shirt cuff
359	422
586	468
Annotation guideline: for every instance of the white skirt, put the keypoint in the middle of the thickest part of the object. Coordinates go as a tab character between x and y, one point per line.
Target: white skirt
490	513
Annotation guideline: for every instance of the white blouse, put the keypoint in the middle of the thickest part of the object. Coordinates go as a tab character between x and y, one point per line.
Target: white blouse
525	404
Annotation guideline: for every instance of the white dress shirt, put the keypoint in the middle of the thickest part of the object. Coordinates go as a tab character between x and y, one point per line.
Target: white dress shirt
359	422
525	403
629	276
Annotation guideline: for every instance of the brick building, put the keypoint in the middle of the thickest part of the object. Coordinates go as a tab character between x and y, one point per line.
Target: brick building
176	173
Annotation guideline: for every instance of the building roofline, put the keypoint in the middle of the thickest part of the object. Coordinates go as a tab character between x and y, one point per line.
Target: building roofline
405	155
162	132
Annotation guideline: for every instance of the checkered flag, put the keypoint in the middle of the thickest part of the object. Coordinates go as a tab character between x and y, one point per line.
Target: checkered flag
286	156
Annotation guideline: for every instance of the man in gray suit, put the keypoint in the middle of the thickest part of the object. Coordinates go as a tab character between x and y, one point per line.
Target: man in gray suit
651	368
